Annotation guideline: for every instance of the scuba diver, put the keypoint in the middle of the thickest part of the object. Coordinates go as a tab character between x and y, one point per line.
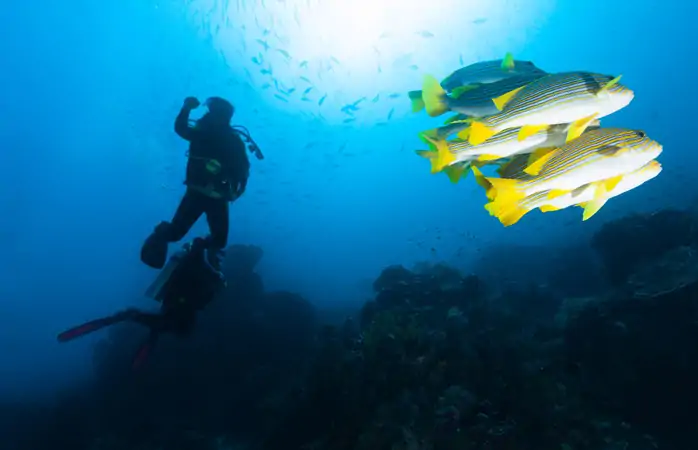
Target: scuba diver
185	285
216	174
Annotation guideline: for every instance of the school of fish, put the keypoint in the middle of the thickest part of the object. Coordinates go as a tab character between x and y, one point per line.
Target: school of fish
542	131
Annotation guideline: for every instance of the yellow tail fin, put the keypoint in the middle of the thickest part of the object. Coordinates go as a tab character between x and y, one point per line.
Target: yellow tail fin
505	190
416	99
434	96
508	214
443	157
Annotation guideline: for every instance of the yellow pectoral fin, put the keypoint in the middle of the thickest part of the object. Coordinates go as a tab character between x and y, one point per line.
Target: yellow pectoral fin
479	133
538	159
501	101
529	130
592	207
444	157
611	183
578	128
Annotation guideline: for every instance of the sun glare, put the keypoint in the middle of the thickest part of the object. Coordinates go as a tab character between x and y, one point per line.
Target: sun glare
337	51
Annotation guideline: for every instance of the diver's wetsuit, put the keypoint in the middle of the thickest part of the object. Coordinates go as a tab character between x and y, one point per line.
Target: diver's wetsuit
191	286
217	172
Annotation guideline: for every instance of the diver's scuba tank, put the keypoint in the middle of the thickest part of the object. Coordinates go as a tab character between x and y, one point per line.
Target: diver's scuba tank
156	288
196	250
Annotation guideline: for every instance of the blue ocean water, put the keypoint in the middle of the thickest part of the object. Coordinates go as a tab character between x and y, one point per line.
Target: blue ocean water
90	163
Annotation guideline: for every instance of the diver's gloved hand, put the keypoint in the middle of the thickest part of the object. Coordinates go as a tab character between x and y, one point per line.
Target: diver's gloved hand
191	103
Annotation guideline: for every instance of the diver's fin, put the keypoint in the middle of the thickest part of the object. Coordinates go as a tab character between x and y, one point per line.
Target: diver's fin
154	250
92	326
144	351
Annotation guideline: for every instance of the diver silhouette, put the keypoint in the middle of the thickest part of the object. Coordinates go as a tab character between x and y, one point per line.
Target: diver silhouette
185	286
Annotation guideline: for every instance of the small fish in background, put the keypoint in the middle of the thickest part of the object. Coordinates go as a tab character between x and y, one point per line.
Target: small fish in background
414	67
264	44
266	32
306	79
266	71
307	90
385	35
376	98
349	120
266	86
425	34
284	53
390	114
281	97
322	100
394	95
256	60
303	65
335	60
480	21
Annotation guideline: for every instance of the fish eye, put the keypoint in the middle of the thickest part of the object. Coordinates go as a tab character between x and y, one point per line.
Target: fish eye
641	134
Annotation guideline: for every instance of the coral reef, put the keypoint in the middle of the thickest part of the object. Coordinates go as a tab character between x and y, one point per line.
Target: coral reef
437	360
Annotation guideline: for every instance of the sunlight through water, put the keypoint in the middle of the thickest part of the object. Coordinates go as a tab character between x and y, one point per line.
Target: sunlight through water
322	55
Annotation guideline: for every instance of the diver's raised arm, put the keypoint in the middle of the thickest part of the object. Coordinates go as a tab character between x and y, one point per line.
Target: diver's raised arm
182	127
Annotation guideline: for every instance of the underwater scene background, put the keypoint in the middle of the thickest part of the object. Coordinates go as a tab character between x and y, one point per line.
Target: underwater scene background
369	303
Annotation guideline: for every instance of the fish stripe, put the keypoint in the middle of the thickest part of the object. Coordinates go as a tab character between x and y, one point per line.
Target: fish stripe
584	150
550	90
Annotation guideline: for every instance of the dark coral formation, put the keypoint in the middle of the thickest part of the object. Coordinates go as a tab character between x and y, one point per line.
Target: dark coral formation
436	360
